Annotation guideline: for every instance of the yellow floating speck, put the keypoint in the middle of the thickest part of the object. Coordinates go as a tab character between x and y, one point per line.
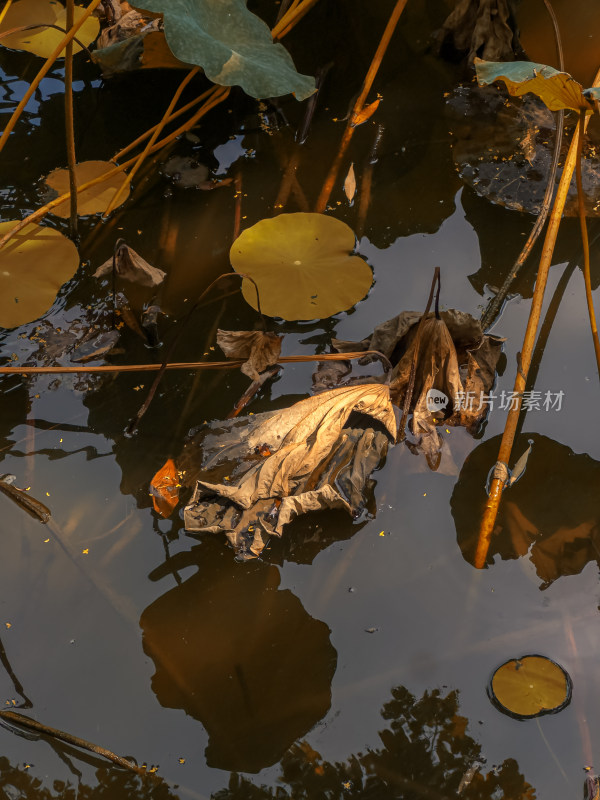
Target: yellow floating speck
424	494
382	533
86	551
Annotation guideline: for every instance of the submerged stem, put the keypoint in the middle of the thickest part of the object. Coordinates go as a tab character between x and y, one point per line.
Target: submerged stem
69	124
68	37
147	149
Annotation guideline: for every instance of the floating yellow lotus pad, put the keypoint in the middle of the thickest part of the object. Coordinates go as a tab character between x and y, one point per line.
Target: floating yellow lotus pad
43	41
303	265
34	264
529	687
94	200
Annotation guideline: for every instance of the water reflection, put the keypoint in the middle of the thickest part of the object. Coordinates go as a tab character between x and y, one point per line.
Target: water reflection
426	753
16	783
240	655
551	513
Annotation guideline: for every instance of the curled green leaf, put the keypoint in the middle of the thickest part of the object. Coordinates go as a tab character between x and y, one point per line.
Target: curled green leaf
557	89
233	46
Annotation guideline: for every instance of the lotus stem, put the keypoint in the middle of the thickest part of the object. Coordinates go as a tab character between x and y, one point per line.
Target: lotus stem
69	124
493	309
41	212
189	365
4	11
585	241
187	107
68	37
291	17
497	484
158	128
44	25
331	179
131	428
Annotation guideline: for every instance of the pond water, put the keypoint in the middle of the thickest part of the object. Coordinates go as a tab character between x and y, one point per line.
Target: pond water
352	659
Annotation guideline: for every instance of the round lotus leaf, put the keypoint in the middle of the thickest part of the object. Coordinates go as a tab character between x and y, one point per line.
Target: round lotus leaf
530	686
43	41
34	264
94	200
303	266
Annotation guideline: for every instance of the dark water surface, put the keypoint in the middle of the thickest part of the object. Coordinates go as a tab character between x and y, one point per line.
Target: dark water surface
344	663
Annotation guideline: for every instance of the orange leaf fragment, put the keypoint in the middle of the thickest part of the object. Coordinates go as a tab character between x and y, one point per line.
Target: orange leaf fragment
365	113
164	489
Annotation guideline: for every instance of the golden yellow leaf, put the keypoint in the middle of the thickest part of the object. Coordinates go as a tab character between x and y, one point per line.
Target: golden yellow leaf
34	264
90	201
43	41
303	265
530	686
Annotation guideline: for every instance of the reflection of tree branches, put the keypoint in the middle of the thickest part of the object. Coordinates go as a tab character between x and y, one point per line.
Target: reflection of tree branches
426	752
111	783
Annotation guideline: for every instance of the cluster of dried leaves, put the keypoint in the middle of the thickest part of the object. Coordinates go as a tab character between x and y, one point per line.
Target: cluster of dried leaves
253	475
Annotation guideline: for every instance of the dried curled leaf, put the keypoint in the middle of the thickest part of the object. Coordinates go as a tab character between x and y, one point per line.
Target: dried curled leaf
131	267
164	489
454	359
315	461
480	27
261	349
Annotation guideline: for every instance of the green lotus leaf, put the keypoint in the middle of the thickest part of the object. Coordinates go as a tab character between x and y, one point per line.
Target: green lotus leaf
34	264
43	41
557	89
233	46
530	686
303	266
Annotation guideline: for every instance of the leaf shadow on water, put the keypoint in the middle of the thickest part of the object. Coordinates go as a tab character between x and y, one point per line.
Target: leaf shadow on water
240	655
551	514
